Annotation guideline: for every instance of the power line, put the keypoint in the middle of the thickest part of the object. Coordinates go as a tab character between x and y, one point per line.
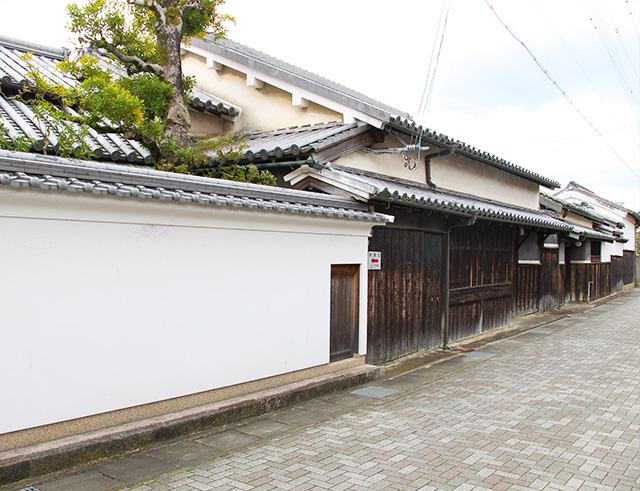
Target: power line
621	41
562	91
573	56
427	81
602	36
435	69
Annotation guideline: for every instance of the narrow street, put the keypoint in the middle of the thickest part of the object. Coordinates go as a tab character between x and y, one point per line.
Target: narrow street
554	408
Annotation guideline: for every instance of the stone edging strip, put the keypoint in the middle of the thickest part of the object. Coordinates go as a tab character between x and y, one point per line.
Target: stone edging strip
43	458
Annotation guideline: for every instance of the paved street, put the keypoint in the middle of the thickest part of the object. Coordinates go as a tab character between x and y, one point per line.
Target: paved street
554	408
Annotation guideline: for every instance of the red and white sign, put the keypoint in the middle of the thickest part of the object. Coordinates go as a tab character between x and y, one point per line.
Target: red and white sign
375	260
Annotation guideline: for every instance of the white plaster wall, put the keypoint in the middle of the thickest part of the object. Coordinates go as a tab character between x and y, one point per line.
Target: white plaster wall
611	249
386	164
629	232
630	235
578	220
468	176
264	109
109	303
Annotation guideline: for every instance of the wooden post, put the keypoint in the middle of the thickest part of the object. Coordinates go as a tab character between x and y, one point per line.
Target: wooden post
445	287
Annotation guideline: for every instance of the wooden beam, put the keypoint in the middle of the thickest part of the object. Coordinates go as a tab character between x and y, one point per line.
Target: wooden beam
298	101
254	82
478	293
211	63
354	144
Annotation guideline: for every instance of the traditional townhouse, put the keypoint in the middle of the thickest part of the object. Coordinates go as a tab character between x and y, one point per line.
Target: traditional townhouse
465	220
592	254
578	195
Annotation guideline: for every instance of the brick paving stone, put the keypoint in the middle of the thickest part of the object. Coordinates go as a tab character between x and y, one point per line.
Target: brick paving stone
553	410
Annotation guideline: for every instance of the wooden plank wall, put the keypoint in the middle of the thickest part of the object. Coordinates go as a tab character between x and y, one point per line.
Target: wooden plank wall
617	273
629	267
527	289
541	287
599	274
481	276
405	296
551	281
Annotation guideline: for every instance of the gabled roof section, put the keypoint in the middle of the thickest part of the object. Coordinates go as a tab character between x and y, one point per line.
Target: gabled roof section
583	211
301	142
371	187
604	201
49	173
303	79
13	74
461	148
588	233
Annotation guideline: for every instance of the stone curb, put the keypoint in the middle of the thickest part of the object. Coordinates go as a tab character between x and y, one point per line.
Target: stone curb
29	462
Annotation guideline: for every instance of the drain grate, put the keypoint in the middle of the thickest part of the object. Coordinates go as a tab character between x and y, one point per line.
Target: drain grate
29	488
480	355
374	392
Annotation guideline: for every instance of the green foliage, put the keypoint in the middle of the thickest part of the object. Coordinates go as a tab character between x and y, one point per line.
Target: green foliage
131	28
126	88
197	157
20	144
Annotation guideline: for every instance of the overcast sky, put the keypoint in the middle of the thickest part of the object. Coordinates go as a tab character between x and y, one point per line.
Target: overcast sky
487	92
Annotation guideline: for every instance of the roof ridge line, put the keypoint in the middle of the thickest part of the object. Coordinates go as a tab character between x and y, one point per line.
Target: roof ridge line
60	52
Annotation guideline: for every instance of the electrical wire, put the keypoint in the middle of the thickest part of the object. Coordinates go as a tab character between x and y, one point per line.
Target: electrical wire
427	81
562	91
624	48
435	68
602	36
573	56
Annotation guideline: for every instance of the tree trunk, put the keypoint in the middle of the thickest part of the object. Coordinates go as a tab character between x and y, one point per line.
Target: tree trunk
178	120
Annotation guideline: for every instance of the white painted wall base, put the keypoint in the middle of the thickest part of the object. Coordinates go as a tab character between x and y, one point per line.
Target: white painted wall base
109	303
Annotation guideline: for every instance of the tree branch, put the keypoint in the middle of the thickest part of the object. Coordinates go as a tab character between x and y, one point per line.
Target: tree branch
157	9
189	4
139	63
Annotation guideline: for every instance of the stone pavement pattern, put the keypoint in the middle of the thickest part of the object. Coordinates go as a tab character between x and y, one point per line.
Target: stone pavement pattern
554	408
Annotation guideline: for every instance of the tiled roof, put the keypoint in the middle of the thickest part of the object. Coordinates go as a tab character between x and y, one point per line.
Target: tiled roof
589	233
297	142
618	206
462	148
581	210
387	189
19	121
298	77
43	172
13	73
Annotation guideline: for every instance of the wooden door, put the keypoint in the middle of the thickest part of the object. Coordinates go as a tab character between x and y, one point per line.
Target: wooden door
344	311
405	296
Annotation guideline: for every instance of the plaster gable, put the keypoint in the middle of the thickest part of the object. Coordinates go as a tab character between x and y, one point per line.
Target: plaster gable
208	125
265	107
392	165
467	176
579	220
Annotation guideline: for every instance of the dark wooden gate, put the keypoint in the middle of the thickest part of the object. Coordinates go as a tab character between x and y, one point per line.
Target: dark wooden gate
551	281
541	287
617	273
629	274
481	274
405	296
344	311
